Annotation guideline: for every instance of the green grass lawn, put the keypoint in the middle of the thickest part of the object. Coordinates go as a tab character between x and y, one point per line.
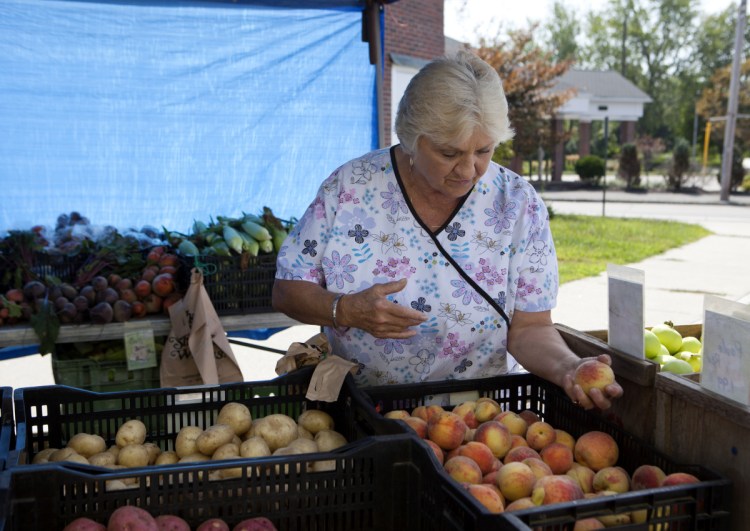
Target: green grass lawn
586	244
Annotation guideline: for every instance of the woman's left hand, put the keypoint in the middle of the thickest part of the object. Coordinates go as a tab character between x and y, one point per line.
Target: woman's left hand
601	399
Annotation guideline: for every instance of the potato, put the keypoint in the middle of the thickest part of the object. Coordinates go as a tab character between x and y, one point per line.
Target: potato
133	455
132	432
302	433
259	523
114	449
315	420
323	466
303	446
215	436
278	430
116	484
235	415
255	447
103	459
43	456
130	517
153	452
185	441
87	445
61	455
213	524
197	457
329	440
84	524
77	458
226	451
167	458
170	522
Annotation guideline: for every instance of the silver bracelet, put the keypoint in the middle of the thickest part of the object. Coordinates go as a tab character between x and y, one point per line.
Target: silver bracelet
334	308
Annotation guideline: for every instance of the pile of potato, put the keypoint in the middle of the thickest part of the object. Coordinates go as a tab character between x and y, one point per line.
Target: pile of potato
234	435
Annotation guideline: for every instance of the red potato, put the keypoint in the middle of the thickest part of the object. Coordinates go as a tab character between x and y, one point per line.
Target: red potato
84	524
213	524
129	518
259	523
171	522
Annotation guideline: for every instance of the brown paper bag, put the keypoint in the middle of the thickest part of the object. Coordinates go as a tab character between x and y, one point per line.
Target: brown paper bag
330	370
197	350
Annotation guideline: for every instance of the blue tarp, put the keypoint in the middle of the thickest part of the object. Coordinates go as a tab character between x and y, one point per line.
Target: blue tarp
158	113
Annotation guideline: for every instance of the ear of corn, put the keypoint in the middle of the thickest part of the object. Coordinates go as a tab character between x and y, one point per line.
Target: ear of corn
221	248
266	246
255	230
188	248
199	227
249	244
233	239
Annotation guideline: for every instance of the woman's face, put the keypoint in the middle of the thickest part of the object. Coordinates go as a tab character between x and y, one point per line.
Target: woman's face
453	169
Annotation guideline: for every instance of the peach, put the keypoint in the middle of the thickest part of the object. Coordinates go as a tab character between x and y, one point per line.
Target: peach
495	436
469	434
446	429
529	416
397	414
137	309
465	410
596	450
583	475
487	495
565	438
142	289
539	467
480	453
679	478
520	504
168	259
612	478
593	374
558	456
463	469
163	284
614	520
154	255
427	412
517	440
519	453
418	425
556	489
513	421
647	477
587	524
439	454
128	295
540	434
515	480
153	303
486	409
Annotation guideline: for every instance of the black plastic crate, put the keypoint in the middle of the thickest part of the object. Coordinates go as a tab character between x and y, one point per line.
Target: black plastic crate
704	505
385	483
41	266
47	416
7	428
236	284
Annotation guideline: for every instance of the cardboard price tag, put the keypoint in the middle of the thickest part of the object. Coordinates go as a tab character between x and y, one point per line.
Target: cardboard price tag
626	293
726	349
140	349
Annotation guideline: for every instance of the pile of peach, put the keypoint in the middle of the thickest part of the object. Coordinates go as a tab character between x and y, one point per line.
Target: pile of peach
510	461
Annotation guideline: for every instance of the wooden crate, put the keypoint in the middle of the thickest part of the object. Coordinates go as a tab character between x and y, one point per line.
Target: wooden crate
694	425
636	410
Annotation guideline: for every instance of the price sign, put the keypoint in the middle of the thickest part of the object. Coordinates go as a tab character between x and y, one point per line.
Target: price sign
726	349
140	349
625	290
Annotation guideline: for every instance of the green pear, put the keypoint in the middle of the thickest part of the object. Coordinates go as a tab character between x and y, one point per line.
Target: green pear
691	344
695	360
669	337
677	366
651	343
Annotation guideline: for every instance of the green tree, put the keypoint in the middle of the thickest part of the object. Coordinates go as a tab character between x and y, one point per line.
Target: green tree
563	32
529	74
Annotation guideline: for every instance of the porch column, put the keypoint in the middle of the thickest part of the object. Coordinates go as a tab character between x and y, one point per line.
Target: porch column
584	138
627	132
558	161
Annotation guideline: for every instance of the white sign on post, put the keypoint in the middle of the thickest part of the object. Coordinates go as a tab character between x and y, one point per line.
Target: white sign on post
626	293
726	348
140	348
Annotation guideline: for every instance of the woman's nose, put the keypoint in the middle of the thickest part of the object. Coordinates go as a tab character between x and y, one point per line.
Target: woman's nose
465	167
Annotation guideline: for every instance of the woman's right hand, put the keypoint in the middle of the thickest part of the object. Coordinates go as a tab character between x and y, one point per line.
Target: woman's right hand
371	311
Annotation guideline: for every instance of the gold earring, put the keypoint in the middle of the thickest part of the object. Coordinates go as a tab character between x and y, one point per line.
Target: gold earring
411	163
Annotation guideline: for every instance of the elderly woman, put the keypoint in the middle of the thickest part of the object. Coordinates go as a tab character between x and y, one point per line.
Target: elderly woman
428	261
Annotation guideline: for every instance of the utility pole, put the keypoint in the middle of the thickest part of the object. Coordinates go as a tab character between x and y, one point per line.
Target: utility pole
734	89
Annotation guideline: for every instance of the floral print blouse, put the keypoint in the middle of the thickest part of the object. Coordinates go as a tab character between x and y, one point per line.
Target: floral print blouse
495	255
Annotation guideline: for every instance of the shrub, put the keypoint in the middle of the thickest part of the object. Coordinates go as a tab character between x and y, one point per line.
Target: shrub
680	164
630	165
590	168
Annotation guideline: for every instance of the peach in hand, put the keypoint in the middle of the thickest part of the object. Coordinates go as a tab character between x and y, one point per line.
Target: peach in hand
593	374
